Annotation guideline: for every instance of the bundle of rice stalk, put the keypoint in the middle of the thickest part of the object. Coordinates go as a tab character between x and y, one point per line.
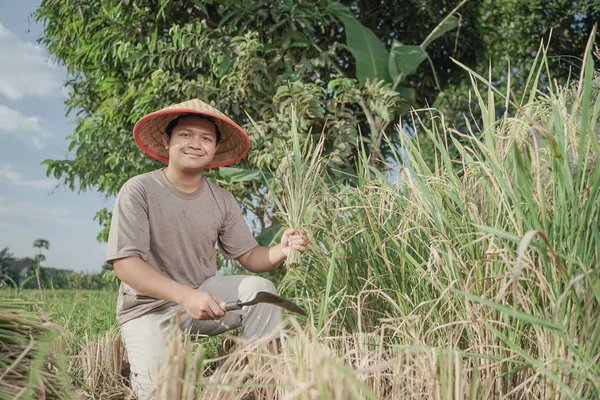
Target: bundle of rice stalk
99	365
298	180
29	367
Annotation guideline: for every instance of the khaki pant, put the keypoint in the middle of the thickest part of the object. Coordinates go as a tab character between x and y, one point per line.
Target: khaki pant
146	337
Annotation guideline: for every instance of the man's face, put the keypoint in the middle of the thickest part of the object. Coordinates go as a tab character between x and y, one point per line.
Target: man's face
192	145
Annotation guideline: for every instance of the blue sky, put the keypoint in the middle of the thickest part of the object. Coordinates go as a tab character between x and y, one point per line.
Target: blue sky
32	128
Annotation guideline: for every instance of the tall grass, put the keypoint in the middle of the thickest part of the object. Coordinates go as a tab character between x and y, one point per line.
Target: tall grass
491	259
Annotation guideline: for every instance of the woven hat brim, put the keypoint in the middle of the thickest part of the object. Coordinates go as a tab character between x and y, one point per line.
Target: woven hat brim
149	131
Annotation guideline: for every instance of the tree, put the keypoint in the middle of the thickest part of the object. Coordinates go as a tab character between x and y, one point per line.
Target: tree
517	27
6	258
349	69
251	59
40	244
513	32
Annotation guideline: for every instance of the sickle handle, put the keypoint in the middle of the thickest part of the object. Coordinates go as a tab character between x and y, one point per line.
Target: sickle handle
230	306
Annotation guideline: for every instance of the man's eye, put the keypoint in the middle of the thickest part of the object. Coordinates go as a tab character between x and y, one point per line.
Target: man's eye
185	135
207	139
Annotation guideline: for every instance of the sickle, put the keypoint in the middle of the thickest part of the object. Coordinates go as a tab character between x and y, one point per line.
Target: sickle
263	297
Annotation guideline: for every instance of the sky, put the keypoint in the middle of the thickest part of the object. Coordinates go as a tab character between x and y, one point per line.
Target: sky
33	127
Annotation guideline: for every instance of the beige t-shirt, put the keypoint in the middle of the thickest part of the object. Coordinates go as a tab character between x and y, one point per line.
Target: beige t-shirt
175	232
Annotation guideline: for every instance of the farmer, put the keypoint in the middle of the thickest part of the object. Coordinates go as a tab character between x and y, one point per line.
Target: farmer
162	238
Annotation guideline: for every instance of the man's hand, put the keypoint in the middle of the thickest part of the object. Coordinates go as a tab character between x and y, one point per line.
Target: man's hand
263	259
202	305
296	239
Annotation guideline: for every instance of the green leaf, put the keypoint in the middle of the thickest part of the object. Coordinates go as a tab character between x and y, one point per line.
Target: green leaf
538	365
369	52
49	165
200	5
404	60
409	94
233	174
445	26
532	319
438	100
327	297
497	232
267	235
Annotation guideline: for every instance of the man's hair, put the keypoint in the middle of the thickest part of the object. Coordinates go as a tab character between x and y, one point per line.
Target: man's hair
175	121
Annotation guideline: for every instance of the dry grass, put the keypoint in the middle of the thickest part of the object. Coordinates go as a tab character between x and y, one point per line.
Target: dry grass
98	366
351	366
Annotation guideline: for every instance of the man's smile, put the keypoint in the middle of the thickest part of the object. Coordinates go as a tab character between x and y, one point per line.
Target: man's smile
193	155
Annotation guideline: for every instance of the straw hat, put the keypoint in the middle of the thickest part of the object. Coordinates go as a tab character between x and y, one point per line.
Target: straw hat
150	130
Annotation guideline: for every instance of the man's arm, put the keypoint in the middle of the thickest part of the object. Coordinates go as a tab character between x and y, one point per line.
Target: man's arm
150	282
263	259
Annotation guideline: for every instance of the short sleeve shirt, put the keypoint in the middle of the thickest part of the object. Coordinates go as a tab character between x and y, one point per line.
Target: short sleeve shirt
174	232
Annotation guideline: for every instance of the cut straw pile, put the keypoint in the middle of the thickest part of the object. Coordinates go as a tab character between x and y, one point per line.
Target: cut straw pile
98	367
28	361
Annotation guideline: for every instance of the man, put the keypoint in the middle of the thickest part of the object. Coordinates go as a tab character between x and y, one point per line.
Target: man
162	239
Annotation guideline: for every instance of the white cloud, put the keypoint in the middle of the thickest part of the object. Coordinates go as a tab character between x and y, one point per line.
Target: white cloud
16	178
14	208
25	69
12	120
27	128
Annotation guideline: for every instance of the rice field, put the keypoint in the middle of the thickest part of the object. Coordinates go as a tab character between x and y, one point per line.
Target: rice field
473	277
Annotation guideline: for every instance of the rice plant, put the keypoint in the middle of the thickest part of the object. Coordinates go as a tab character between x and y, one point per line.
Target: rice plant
296	187
492	256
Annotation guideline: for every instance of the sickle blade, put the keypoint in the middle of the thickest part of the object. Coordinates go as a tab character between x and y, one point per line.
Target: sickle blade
266	297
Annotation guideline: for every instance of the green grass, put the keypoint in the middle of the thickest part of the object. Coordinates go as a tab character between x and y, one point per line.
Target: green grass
81	312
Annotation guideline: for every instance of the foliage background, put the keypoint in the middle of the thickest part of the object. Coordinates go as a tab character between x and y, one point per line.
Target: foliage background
261	58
